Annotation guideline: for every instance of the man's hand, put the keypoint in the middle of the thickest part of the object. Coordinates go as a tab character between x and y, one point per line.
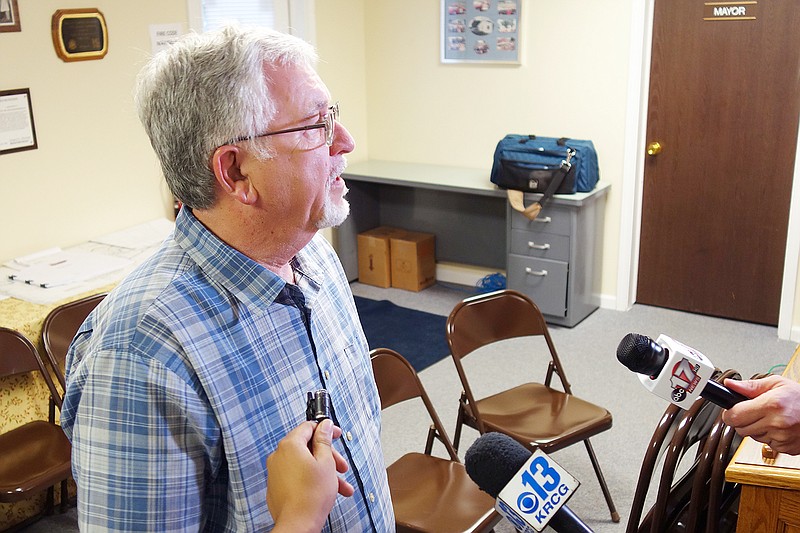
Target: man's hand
302	480
772	416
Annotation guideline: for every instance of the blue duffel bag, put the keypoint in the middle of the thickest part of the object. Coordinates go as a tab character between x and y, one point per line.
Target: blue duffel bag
530	164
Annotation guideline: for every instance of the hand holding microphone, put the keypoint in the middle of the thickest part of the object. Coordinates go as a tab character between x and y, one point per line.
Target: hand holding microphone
531	489
673	371
773	414
767	410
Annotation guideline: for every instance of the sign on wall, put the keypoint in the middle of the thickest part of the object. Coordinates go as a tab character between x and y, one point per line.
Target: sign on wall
730	10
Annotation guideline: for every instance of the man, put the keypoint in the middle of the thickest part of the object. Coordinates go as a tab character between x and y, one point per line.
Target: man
190	372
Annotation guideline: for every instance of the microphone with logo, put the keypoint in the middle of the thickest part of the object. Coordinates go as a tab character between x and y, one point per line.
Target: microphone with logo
531	489
673	371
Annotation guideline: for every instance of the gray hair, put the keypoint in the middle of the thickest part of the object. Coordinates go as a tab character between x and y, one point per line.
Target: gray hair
206	90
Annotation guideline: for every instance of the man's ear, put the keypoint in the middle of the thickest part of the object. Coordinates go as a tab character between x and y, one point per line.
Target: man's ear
226	165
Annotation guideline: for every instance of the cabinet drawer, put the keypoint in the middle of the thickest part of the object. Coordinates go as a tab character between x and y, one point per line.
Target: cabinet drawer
545	281
540	244
552	219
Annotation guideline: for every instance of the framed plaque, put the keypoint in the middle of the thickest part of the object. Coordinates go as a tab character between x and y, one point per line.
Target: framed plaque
17	132
79	34
9	16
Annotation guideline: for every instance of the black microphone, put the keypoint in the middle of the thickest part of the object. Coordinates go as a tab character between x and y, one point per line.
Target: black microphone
643	355
493	461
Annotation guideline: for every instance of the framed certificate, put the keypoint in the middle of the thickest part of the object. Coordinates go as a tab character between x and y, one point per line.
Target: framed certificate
17	132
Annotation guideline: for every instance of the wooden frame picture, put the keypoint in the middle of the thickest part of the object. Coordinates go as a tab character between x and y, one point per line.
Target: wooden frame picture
79	34
17	131
9	16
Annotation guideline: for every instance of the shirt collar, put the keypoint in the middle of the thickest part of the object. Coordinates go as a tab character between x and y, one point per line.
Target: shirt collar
249	281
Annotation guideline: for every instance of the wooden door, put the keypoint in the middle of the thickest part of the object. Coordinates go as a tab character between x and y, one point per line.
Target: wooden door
724	103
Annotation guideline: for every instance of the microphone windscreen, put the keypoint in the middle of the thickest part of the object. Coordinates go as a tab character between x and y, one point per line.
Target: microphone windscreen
641	354
493	460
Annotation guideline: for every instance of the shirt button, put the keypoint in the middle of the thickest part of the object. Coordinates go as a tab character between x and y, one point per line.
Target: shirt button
349	436
327	375
371	498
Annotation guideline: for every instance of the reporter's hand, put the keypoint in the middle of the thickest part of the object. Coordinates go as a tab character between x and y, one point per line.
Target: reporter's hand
772	416
303	483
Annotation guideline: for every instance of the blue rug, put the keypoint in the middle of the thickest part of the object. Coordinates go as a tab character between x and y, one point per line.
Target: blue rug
416	335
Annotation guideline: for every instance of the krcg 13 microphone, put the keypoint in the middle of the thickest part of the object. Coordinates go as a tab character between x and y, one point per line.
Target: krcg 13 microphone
674	371
531	489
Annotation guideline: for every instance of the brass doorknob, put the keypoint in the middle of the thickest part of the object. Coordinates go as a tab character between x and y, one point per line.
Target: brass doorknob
654	148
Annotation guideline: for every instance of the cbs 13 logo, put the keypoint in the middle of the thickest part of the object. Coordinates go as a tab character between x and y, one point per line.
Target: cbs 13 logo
545	482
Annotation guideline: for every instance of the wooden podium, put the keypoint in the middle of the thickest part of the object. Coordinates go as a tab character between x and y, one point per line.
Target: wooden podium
770	499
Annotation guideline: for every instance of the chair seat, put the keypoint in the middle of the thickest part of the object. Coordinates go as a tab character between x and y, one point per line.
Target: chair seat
429	492
35	455
535	414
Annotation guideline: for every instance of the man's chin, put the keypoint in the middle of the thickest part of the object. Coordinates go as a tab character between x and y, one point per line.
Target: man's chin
334	216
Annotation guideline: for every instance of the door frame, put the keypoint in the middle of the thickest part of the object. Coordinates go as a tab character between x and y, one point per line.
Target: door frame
633	181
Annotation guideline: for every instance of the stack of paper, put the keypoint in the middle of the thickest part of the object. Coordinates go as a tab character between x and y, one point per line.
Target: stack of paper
138	237
55	267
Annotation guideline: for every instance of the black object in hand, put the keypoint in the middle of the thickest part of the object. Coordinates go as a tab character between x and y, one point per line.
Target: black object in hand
318	406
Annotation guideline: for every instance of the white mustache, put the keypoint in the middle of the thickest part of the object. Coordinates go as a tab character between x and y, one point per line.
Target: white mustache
338	168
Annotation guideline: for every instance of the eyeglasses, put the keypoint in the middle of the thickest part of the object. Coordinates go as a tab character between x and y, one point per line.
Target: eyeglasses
328	122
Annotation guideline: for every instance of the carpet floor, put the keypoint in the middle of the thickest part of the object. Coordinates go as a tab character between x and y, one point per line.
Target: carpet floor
418	335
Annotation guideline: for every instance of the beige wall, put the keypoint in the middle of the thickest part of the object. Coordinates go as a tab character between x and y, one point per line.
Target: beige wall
94	171
572	82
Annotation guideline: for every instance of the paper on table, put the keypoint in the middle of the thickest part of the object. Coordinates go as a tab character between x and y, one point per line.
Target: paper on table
750	454
36	257
64	267
141	236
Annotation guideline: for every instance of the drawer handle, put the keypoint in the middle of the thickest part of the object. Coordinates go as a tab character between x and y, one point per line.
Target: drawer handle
543	220
532	244
532	272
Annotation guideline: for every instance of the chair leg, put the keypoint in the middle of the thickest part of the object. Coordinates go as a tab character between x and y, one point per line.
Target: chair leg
64	496
49	502
600	478
459	425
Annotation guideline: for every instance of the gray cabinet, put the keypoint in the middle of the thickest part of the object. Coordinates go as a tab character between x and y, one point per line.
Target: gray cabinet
555	259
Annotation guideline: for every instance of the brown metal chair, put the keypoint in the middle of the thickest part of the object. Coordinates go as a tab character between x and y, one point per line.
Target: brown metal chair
60	327
666	427
723	496
685	503
429	494
36	455
534	414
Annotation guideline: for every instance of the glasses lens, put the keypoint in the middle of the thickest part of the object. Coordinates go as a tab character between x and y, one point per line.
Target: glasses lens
330	123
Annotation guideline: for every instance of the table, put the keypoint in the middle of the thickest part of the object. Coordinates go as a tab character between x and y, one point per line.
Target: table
474	226
25	398
459	205
770	499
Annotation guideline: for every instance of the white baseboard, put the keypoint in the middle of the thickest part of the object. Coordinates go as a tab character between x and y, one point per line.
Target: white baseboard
608	301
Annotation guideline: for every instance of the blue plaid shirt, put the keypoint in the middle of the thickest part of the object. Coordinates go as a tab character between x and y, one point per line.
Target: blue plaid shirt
188	374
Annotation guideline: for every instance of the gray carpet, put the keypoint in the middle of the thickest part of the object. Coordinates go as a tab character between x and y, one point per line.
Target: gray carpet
588	354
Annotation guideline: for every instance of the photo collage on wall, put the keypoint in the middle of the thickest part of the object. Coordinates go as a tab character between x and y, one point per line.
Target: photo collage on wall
480	31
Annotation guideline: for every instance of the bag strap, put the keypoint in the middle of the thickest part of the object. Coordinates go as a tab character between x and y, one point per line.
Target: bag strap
516	198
